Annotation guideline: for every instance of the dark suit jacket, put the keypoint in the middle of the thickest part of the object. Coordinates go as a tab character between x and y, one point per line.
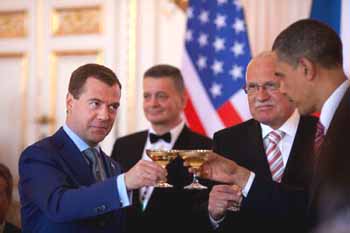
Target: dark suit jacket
168	210
330	190
10	228
269	204
58	192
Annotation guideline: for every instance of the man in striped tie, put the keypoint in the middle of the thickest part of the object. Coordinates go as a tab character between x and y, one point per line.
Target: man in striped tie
265	159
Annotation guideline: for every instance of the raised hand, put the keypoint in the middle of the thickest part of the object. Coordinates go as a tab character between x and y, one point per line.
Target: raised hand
144	173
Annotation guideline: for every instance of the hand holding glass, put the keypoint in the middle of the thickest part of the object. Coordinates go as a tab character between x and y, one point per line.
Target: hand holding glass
195	158
163	158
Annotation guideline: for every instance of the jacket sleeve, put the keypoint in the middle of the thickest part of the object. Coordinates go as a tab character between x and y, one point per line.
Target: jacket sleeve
45	185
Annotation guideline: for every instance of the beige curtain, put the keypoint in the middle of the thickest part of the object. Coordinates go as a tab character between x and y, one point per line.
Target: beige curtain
267	18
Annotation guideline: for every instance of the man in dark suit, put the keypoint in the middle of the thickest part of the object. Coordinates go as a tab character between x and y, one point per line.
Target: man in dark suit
272	153
67	184
310	67
161	209
6	187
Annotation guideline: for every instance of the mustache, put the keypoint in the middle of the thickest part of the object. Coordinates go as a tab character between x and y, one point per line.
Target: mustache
258	104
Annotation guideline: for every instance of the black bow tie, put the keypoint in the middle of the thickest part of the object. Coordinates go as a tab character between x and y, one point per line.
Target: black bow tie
154	138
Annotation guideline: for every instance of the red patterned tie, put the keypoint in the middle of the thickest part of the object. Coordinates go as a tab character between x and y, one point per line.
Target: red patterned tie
319	137
274	155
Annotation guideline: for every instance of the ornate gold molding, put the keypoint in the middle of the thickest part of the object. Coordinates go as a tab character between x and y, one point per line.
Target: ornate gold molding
13	24
182	4
74	21
23	90
51	119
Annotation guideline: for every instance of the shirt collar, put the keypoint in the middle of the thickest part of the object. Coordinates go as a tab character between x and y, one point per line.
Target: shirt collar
80	143
331	104
289	127
175	132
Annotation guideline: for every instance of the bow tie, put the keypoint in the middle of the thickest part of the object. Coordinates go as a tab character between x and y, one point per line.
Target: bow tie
154	138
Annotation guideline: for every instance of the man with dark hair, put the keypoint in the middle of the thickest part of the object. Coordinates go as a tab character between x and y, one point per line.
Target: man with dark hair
67	183
273	148
6	186
164	100
310	67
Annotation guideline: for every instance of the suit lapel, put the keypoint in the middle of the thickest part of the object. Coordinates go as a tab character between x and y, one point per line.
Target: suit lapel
137	151
72	159
182	140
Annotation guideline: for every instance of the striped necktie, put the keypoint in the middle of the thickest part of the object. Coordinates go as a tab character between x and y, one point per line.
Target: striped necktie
319	137
274	155
95	163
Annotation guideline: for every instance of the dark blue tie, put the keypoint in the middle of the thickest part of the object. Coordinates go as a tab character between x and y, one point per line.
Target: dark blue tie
154	138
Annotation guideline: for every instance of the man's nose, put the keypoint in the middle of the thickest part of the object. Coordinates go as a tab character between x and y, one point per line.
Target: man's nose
103	113
262	94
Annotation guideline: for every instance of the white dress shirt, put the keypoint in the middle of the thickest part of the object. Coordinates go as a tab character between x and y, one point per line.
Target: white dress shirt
331	105
159	145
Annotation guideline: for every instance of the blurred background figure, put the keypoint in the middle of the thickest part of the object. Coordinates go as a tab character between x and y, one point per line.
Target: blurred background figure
164	100
6	187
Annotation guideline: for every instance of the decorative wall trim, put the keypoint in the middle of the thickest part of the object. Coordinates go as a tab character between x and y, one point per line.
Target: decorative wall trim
13	24
23	89
75	21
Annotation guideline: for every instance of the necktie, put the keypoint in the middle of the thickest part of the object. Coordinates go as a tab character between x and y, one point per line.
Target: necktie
319	137
274	155
154	138
95	163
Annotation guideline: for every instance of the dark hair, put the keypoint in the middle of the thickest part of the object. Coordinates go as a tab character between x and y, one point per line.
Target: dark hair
6	175
82	73
167	71
311	39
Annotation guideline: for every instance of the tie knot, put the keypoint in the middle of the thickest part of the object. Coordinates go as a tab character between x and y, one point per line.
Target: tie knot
276	136
91	154
165	137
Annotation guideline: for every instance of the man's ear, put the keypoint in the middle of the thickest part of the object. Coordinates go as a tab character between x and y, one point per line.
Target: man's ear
308	68
69	102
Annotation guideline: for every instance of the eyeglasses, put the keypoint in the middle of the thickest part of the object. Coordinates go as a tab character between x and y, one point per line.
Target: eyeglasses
253	88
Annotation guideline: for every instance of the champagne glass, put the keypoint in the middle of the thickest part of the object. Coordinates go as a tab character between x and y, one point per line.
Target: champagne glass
195	158
163	158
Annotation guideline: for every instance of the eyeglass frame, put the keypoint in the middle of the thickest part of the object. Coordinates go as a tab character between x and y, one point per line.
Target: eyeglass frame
268	86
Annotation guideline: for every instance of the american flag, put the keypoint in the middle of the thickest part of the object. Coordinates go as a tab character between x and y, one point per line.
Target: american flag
216	55
336	13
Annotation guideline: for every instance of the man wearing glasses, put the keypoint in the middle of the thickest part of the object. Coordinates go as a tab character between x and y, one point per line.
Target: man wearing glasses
272	151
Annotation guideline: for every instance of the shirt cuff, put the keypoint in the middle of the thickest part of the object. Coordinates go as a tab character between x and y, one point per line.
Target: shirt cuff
248	185
215	223
125	197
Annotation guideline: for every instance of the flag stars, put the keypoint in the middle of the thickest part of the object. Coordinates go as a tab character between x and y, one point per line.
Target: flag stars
202	62
220	2
237	49
236	72
238	25
203	39
238	4
204	17
215	90
217	67
188	35
219	44
220	21
190	13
